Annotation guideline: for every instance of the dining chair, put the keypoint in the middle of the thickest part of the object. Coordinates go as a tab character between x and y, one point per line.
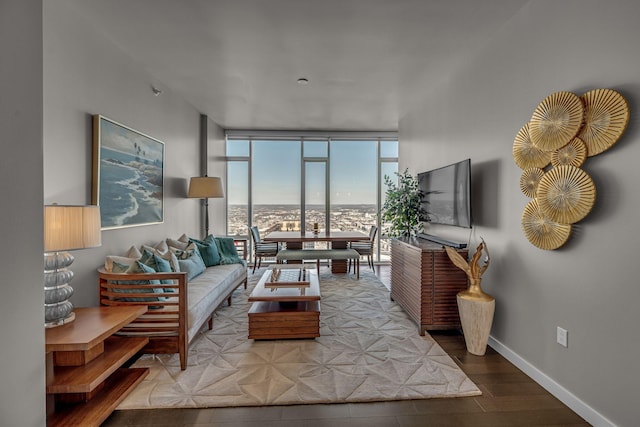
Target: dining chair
365	248
261	249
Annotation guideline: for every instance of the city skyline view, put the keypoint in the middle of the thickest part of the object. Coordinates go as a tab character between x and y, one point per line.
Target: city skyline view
268	217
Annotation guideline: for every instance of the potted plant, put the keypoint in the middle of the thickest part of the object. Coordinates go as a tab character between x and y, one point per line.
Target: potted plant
402	211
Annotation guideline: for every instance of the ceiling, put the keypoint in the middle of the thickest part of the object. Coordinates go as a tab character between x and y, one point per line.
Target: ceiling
238	61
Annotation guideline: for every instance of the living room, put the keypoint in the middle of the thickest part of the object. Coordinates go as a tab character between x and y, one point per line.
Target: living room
58	70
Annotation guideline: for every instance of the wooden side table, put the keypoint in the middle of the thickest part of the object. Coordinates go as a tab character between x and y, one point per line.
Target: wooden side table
85	381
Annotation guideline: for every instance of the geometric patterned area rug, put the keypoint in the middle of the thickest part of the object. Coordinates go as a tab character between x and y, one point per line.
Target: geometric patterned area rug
369	350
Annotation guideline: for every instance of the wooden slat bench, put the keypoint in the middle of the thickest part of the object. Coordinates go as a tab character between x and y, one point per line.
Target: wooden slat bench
318	254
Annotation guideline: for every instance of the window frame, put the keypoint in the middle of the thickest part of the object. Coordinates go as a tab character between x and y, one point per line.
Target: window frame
301	137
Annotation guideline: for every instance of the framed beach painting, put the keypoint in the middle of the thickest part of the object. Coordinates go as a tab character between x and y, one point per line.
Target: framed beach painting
128	175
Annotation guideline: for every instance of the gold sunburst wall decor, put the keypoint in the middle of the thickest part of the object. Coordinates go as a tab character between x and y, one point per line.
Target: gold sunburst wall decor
541	231
572	154
526	154
566	194
606	118
551	148
529	181
556	120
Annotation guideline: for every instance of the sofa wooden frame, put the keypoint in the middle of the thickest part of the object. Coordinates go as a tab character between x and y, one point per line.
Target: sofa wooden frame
166	321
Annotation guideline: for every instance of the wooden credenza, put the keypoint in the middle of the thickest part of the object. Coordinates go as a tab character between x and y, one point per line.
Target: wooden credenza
424	282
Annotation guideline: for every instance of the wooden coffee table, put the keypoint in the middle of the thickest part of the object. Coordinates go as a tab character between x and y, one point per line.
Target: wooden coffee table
286	311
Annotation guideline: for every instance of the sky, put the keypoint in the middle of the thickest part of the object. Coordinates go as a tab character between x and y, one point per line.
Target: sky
277	174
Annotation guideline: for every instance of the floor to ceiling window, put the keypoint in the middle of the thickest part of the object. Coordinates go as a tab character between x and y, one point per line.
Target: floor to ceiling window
238	180
291	182
276	185
354	196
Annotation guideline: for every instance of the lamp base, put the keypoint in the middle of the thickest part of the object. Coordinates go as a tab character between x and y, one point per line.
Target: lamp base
58	310
59	322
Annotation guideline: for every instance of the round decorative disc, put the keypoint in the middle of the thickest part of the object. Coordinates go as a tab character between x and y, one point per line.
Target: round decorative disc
556	120
541	231
606	118
526	154
529	181
566	194
573	154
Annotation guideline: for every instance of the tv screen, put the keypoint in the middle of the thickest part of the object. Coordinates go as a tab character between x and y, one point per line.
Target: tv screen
446	194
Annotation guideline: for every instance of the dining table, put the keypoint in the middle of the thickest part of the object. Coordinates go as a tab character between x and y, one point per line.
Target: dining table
337	240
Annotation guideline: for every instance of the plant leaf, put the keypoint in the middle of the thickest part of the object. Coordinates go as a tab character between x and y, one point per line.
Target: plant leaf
474	267
486	264
457	260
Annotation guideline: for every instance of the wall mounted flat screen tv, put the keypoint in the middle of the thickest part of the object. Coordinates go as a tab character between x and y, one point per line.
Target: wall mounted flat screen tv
446	194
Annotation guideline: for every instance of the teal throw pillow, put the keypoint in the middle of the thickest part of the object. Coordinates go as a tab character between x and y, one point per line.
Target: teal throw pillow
137	267
157	263
162	250
228	251
193	266
208	250
184	252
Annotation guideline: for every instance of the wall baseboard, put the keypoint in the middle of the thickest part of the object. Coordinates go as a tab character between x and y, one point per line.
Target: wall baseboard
565	396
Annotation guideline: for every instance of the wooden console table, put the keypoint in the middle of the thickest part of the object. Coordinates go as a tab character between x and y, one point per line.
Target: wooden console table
424	282
85	381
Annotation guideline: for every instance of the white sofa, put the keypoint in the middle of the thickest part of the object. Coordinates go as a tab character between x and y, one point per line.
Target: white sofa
178	307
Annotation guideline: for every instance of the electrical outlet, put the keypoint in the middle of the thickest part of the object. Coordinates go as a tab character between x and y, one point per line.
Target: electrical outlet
561	336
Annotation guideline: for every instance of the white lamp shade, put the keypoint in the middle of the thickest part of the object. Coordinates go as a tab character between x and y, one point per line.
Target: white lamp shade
205	187
71	227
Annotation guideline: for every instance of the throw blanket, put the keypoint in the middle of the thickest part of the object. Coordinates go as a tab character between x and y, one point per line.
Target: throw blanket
227	250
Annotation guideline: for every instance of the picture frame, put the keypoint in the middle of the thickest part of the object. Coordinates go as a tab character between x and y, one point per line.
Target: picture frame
128	175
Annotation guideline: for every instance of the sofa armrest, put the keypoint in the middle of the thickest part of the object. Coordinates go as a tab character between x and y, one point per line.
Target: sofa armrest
166	303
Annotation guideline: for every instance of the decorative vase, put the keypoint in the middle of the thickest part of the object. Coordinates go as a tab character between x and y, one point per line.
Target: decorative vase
476	310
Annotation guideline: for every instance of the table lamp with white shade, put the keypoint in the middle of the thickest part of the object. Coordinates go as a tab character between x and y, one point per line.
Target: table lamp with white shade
66	228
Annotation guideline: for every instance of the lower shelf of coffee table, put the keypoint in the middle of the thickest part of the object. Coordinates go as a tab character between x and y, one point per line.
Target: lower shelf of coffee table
275	320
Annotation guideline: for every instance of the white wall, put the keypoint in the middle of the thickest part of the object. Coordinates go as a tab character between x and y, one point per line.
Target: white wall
590	286
85	74
22	374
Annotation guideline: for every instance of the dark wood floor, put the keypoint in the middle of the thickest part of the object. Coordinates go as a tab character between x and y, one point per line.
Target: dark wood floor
509	398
